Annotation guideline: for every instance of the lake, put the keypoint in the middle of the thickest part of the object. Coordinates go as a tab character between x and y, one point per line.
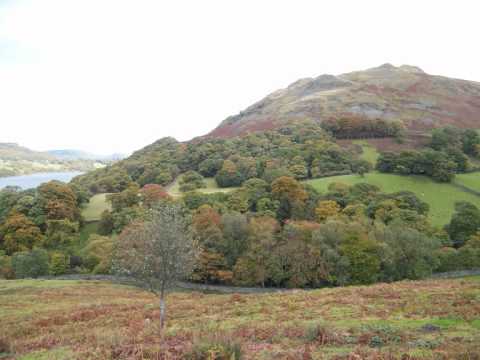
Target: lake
33	180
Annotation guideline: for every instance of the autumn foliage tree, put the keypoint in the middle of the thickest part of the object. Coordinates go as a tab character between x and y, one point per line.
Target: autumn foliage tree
355	127
290	194
153	193
211	265
327	209
58	201
19	233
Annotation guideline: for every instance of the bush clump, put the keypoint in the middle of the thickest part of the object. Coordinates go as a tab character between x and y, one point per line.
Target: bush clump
30	263
216	348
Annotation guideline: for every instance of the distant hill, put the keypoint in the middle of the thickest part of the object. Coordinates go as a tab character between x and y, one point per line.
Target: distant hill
19	160
71	154
13	151
405	93
393	108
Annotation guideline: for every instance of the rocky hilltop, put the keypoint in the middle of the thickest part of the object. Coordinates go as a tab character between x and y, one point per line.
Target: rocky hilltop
406	93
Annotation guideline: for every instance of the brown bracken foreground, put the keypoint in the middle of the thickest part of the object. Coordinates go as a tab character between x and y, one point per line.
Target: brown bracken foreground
55	319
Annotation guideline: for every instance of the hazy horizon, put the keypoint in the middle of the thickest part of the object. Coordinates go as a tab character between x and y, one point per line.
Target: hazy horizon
113	76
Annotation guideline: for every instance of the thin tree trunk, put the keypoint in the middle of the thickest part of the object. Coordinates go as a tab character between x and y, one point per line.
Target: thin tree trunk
162	309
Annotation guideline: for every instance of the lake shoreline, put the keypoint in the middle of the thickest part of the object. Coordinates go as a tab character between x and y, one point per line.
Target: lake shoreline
33	180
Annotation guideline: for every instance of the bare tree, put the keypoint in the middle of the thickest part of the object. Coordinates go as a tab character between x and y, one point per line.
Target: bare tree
157	252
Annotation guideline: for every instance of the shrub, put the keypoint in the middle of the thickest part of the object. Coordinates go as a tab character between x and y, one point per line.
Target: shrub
468	257
425	343
319	333
215	348
448	259
30	263
381	334
376	341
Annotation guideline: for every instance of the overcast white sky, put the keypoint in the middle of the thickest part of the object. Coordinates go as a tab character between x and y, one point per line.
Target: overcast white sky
115	75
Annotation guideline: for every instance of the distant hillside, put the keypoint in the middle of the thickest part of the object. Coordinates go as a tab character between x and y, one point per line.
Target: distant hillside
19	160
381	105
406	93
12	151
72	154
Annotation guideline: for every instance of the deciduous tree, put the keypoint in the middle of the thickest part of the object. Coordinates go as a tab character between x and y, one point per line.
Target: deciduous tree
157	253
19	233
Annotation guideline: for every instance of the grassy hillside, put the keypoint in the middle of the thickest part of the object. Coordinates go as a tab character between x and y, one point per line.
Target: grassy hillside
440	196
93	210
471	181
212	187
54	319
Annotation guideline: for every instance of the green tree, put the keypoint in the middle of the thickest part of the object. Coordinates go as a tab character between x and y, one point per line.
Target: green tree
363	258
298	167
229	175
129	197
58	263
98	254
235	235
361	167
6	270
60	233
30	263
465	222
191	180
253	267
106	224
255	189
471	142
408	253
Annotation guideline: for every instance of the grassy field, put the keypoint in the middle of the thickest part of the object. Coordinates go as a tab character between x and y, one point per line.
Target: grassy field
471	180
98	203
369	153
55	319
212	187
441	197
93	210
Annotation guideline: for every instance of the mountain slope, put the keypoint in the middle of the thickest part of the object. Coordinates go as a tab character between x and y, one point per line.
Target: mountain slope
12	151
72	154
406	93
19	160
